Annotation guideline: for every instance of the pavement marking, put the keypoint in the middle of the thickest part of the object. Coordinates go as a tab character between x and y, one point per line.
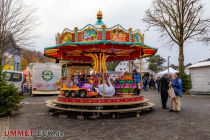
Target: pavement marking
32	103
29	114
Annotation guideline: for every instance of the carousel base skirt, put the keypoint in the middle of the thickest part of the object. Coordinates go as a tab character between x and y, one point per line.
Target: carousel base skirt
100	105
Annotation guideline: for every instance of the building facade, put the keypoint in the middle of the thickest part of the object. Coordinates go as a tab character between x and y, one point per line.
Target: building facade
12	59
123	66
200	74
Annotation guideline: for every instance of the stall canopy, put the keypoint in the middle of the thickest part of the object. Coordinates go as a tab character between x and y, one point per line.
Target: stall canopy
169	70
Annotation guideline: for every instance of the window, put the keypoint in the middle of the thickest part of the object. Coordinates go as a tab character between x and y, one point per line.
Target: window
13	77
16	77
8	76
120	69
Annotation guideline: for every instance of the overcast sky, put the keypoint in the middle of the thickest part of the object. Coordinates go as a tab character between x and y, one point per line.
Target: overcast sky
55	15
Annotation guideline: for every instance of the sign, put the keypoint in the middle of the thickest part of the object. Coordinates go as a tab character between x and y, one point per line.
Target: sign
47	75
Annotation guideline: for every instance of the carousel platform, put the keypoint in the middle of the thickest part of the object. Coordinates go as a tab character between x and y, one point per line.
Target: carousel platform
62	105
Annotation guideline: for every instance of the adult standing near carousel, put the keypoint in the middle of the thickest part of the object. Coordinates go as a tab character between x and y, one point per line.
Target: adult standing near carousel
177	86
164	86
137	77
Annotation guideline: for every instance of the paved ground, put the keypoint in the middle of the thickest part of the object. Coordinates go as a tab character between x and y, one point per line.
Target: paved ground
192	123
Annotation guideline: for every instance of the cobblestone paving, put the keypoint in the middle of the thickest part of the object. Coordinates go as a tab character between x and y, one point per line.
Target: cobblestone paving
192	123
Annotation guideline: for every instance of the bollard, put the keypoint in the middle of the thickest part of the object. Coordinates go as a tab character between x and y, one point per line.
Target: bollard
113	116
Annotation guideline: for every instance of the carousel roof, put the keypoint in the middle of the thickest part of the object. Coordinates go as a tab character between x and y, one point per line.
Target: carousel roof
117	42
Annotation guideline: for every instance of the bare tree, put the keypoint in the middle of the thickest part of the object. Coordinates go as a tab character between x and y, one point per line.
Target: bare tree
17	24
181	20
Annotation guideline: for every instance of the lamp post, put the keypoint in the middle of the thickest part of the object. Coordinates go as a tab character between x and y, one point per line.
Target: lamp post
168	63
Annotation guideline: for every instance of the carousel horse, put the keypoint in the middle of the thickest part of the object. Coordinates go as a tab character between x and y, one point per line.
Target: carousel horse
106	90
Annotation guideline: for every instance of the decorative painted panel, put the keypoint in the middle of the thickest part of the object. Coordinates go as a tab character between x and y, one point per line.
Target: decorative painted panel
138	37
118	35
64	38
89	34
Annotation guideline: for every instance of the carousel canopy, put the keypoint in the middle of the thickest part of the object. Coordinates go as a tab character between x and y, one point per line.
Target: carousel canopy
117	42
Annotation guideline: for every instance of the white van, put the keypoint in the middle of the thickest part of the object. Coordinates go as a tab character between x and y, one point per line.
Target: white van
14	77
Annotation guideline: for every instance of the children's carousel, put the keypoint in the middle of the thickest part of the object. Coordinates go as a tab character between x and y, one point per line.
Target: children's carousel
86	85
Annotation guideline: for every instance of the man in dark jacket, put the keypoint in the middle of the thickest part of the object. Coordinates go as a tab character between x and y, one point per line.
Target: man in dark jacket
158	83
164	83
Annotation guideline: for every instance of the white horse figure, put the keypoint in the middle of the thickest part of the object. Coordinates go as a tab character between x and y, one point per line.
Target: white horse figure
106	90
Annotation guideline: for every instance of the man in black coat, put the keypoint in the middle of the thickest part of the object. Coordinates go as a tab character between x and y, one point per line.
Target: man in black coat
158	83
164	86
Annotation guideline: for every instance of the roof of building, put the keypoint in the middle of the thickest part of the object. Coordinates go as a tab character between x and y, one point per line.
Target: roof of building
200	64
207	59
189	64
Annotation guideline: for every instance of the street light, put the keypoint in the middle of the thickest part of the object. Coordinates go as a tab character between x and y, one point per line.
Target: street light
168	63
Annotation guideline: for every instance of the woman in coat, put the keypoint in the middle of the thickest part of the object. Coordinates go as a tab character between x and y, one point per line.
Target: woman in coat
177	86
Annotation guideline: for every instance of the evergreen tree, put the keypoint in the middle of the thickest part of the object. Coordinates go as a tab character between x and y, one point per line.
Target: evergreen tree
10	98
155	63
186	83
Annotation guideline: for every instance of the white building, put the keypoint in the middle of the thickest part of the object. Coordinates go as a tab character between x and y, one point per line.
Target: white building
200	75
123	66
144	65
